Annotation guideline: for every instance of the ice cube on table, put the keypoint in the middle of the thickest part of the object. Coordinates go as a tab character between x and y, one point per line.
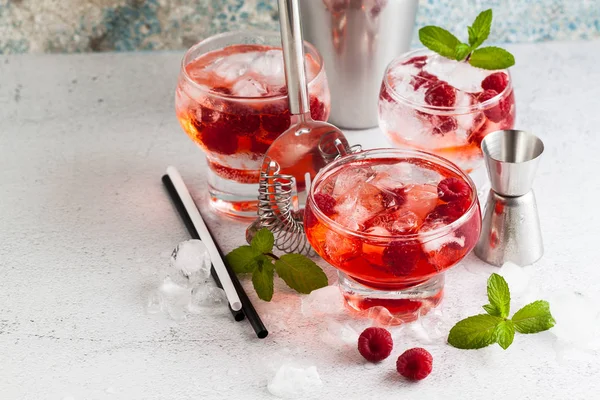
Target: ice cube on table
518	278
291	382
207	298
170	298
190	264
577	322
337	334
327	300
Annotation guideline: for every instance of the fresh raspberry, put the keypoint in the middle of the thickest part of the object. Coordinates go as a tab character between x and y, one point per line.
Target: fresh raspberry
222	89
497	81
375	344
442	95
326	203
402	257
275	118
417	61
450	189
216	137
415	364
449	212
425	79
445	124
498	112
317	109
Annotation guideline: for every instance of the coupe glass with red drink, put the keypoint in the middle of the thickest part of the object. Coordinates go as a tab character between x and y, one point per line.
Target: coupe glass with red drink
392	222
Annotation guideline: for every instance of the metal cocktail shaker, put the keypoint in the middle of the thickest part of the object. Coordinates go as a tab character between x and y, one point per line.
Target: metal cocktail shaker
357	39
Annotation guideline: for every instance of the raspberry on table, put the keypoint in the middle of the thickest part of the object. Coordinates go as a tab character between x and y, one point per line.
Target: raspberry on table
415	364
442	95
375	344
496	81
450	189
402	256
326	203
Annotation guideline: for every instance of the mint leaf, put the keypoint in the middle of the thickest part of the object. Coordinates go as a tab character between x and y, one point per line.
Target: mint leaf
534	317
439	40
300	273
472	35
498	296
243	259
481	28
262	279
491	310
474	332
461	51
505	333
491	58
263	241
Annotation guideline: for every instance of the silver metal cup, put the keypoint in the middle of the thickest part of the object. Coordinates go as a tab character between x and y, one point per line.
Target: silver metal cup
511	228
357	39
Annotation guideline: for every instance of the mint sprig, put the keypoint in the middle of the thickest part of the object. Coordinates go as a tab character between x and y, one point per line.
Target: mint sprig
447	45
495	327
297	271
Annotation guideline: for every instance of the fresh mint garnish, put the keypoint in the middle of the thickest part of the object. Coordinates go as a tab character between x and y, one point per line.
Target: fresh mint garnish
446	44
498	296
495	327
534	318
298	272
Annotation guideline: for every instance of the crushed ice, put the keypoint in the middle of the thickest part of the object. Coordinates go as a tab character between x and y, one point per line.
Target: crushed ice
186	286
292	382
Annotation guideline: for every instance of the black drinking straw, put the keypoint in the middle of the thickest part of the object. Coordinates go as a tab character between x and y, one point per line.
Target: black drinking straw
247	306
237	315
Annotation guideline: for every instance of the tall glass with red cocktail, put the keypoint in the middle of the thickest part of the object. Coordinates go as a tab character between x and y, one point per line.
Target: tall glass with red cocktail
392	221
231	99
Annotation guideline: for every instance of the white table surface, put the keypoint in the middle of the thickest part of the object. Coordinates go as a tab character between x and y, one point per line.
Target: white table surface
85	226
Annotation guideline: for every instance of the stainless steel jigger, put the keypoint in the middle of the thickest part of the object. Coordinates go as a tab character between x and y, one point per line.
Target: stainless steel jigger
511	226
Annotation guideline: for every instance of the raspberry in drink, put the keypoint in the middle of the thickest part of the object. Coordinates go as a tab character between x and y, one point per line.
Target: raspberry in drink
446	107
231	100
392	221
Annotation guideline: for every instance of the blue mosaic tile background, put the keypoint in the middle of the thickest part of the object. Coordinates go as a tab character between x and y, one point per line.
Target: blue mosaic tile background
127	25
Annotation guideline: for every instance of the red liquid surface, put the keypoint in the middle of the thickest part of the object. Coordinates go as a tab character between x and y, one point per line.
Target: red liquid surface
384	222
237	110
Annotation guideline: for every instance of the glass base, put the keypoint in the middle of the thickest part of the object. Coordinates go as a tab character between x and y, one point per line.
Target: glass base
403	305
238	200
